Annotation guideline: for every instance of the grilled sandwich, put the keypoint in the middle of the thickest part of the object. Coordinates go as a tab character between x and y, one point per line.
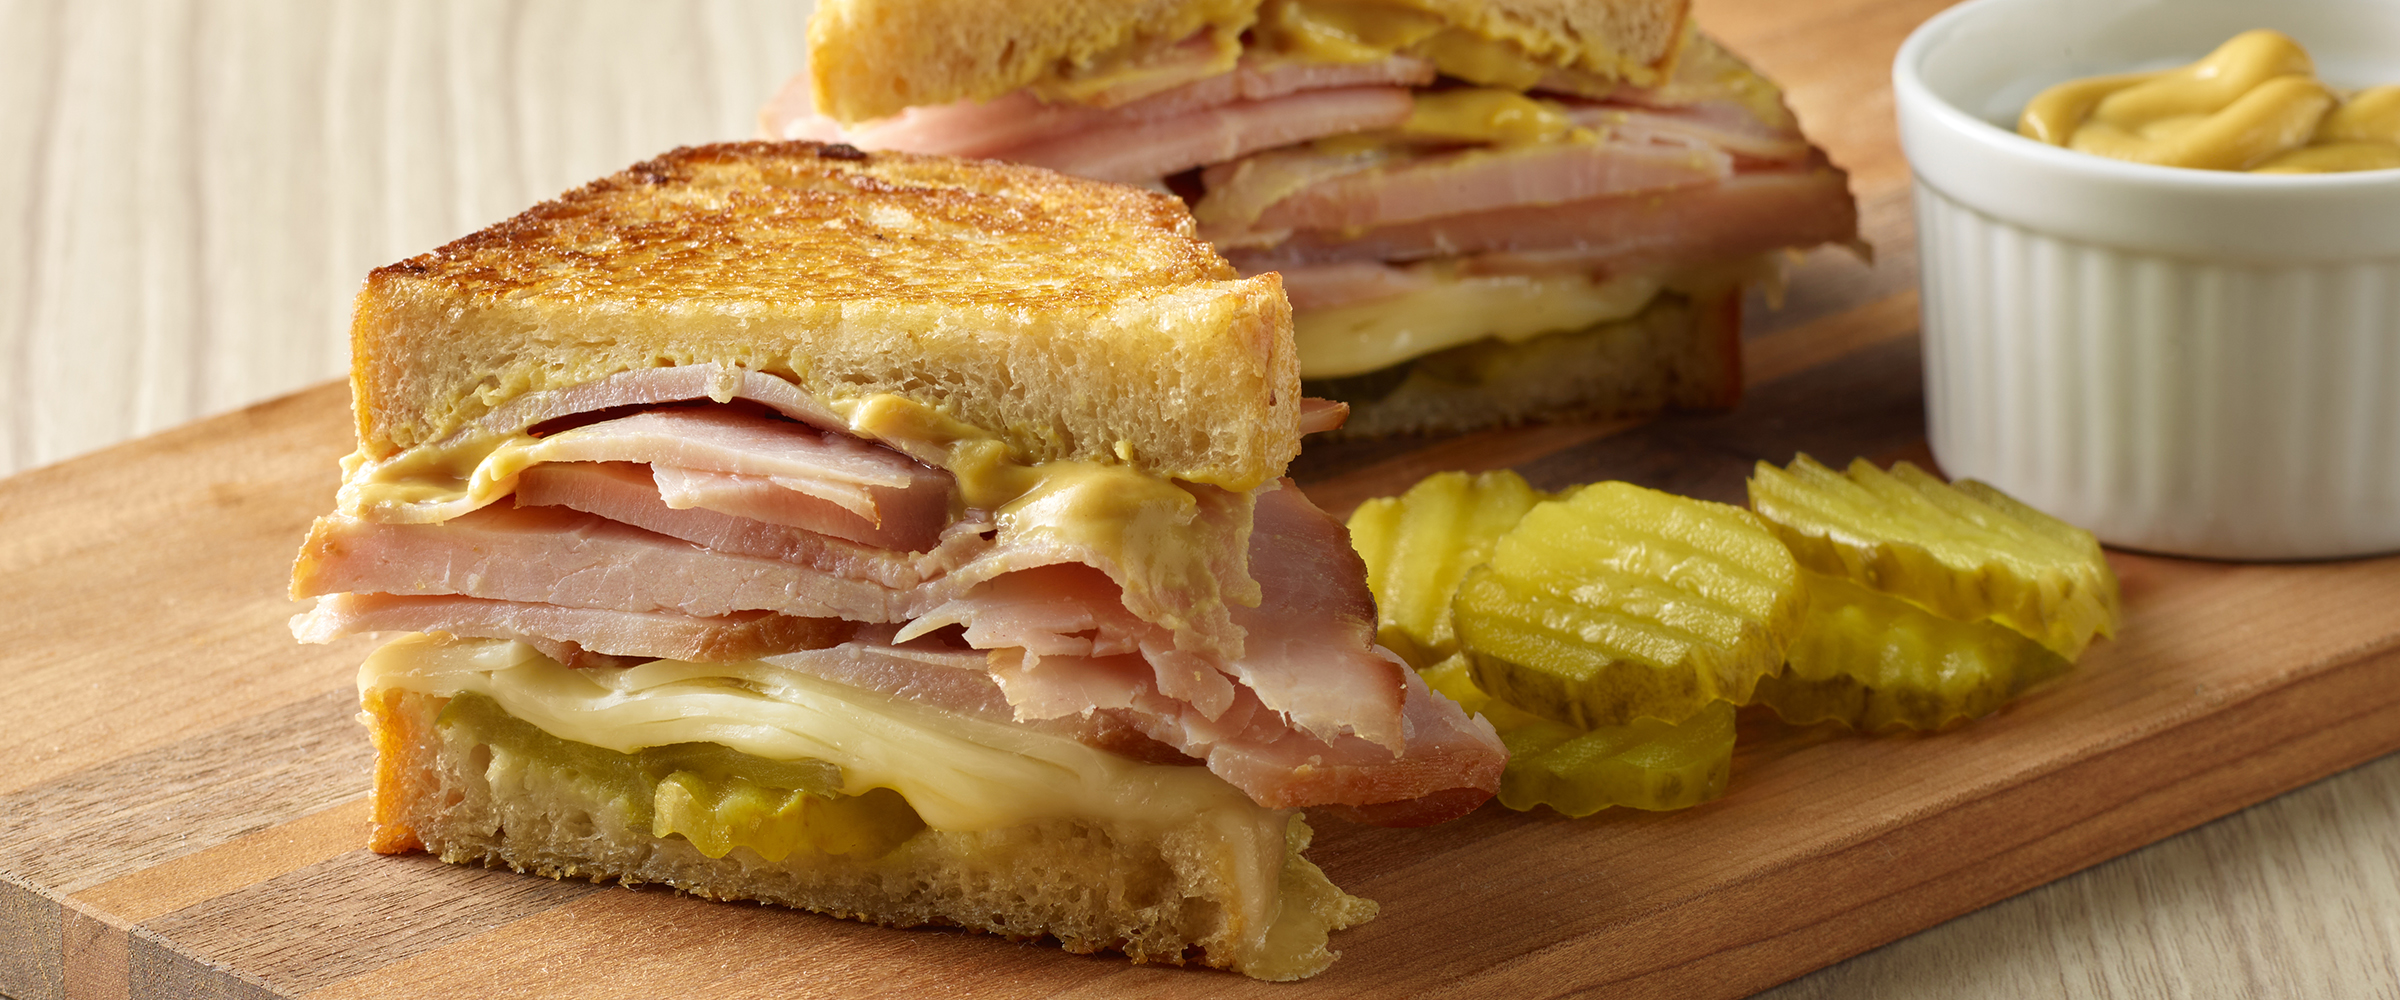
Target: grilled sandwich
893	536
1484	211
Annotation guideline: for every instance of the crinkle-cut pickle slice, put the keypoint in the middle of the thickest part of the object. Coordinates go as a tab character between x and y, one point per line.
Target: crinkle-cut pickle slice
1420	544
712	795
1649	765
1877	663
1623	603
1965	551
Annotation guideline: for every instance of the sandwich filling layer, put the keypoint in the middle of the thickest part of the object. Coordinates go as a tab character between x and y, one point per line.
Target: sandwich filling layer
891	536
1230	628
1426	175
782	771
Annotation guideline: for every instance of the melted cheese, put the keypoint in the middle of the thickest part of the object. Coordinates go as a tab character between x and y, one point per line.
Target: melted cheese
958	772
1355	31
1367	336
1117	517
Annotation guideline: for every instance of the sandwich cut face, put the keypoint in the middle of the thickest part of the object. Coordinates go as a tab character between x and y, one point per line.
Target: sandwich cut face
978	289
887	535
1484	211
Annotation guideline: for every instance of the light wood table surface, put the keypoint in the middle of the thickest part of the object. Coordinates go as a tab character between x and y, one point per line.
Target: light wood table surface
190	192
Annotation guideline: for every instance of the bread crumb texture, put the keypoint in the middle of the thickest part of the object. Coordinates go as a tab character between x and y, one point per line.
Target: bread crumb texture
1162	893
871	59
1073	318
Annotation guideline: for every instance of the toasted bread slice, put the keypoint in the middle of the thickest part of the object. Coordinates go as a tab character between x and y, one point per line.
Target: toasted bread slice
872	58
1175	890
1071	318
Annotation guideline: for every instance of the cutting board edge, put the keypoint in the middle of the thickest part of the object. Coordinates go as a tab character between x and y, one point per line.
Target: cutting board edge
2163	808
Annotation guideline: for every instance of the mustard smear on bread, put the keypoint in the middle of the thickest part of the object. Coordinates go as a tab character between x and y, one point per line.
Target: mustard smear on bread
1494	52
1115	514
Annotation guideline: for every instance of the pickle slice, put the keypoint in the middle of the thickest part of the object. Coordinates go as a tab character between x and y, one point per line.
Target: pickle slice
1649	765
1621	603
1418	545
1965	551
1876	663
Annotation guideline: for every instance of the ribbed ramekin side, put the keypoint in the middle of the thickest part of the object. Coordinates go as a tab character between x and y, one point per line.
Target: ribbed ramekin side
2226	410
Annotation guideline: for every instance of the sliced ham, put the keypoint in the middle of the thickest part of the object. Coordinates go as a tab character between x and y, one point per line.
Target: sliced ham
622	390
1049	622
774	501
1239	191
1062	610
545	555
1444	765
639	555
924	672
726	439
1451	765
1175	654
1746	214
1308	656
1487	179
1344	282
1320	415
562	632
994	128
956	680
1309	646
1721	126
628	493
1261	78
652	386
1186	586
737	462
1147	150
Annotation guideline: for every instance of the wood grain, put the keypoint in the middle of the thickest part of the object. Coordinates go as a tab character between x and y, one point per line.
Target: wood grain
2229	684
189	192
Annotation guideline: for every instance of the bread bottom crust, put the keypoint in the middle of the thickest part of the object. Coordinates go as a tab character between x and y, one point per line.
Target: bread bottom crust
1678	353
1168	895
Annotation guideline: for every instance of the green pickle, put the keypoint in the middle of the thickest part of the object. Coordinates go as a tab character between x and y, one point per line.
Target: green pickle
1623	603
1420	544
1649	764
712	795
1878	663
1964	551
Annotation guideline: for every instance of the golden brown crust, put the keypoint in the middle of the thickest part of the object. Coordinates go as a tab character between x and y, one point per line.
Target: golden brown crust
1634	40
403	736
1075	319
872	58
1170	890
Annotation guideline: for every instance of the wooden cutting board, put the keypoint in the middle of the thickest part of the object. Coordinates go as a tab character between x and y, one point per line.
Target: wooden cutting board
181	786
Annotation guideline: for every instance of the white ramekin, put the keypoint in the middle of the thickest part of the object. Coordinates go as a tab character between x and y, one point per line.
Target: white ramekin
2182	361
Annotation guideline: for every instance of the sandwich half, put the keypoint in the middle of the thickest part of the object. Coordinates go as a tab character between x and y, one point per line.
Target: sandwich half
892	536
1484	211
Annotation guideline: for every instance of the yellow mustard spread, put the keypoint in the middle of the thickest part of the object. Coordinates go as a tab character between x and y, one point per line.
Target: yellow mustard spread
1116	514
2254	104
1367	30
